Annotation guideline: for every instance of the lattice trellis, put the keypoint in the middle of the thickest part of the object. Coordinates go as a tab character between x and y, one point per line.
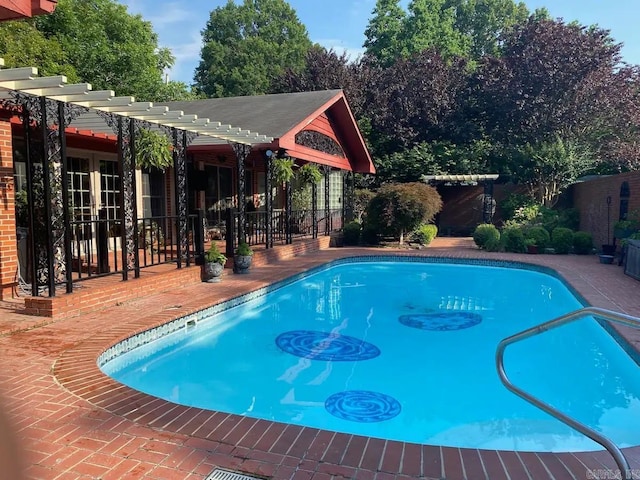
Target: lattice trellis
319	141
45	120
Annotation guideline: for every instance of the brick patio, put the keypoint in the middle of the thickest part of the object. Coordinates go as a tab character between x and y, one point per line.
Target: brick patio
73	422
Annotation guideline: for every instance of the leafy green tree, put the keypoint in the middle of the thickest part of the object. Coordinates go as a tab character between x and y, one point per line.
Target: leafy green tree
22	45
248	46
108	47
548	167
431	24
482	22
401	207
384	32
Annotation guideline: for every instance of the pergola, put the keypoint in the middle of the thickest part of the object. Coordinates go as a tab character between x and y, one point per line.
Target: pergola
487	179
50	108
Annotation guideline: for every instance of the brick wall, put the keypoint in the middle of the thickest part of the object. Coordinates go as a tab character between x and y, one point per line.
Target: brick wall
8	245
106	291
590	198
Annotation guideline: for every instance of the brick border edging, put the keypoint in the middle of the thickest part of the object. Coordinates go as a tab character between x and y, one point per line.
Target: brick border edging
246	438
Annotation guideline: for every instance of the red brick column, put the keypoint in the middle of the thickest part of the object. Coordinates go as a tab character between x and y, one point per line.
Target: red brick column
8	245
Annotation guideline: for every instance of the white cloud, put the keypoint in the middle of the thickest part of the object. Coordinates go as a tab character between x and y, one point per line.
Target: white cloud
339	47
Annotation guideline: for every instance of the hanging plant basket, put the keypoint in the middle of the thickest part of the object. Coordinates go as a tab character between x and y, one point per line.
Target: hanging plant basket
309	174
153	150
282	169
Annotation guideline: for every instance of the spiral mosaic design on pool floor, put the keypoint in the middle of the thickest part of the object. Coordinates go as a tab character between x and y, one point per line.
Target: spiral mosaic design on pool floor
444	321
326	346
362	406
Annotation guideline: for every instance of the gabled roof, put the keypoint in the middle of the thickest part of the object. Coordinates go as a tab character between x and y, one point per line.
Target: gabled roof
284	115
272	115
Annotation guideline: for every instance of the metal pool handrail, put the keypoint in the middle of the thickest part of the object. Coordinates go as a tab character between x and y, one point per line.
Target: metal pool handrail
621	318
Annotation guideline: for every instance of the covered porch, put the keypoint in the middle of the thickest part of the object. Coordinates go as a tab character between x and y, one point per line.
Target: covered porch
86	210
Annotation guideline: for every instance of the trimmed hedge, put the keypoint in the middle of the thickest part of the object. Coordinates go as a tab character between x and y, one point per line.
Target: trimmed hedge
425	233
351	233
512	240
582	243
484	234
562	239
538	234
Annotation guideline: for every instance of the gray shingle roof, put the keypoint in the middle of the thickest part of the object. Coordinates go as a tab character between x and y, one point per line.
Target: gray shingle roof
272	115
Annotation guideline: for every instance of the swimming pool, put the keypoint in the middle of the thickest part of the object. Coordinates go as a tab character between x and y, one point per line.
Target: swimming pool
397	350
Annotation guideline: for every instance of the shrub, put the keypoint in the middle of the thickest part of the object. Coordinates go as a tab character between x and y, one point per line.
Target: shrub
485	233
512	240
562	239
369	234
514	202
539	235
214	255
425	233
351	233
582	243
493	244
399	208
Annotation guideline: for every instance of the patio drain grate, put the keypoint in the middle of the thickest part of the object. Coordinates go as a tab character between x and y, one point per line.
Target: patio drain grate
219	474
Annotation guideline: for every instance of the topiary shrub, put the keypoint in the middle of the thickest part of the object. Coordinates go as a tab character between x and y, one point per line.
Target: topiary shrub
399	208
425	233
512	239
539	235
485	233
582	243
351	233
562	240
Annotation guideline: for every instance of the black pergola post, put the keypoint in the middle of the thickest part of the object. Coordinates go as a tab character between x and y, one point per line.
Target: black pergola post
327	197
314	210
268	199
46	176
288	213
131	174
242	152
65	197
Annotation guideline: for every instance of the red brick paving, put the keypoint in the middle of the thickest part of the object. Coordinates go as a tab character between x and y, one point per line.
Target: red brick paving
73	422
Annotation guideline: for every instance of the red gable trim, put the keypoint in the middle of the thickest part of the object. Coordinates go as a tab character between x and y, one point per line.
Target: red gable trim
335	111
15	9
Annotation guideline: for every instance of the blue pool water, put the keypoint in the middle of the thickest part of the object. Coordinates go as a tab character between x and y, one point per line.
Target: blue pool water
402	351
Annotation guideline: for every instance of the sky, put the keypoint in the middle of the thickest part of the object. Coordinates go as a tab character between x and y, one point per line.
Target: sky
340	24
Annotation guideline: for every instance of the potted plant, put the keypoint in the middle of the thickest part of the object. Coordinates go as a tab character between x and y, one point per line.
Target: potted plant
242	258
625	228
214	261
531	245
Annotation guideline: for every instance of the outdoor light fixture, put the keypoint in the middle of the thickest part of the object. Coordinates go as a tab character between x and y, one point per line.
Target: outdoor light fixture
268	153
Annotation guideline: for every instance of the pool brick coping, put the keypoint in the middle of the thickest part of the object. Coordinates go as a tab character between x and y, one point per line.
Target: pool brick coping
279	450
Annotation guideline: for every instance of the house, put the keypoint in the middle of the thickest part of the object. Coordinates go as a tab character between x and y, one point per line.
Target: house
93	212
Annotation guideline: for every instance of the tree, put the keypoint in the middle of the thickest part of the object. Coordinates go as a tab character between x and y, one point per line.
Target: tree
401	207
22	45
550	166
540	87
414	101
482	22
327	70
108	47
384	32
431	24
247	47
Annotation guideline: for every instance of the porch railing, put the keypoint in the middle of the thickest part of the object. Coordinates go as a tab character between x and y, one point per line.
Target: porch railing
300	225
96	245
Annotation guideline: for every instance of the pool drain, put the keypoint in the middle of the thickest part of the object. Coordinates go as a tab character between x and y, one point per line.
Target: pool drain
220	474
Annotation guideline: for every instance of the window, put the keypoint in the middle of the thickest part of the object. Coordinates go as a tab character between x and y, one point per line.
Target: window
110	188
79	188
153	193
